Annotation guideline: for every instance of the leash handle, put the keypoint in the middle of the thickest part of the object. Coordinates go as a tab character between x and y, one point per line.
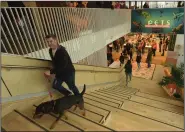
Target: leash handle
48	80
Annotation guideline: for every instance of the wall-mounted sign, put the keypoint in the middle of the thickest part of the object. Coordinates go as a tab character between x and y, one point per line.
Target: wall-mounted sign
163	20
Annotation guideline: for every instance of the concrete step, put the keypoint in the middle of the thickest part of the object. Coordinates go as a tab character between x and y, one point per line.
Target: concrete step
47	120
8	107
119	93
15	122
105	114
120	103
157	104
131	121
112	97
126	92
84	123
161	99
107	102
167	117
160	115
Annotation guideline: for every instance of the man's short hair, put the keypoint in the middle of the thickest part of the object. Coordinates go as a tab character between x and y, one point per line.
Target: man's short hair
51	36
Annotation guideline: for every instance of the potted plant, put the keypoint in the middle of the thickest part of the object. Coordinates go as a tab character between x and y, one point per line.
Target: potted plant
175	82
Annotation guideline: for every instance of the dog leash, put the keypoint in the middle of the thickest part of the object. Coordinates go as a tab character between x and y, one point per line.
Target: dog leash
50	93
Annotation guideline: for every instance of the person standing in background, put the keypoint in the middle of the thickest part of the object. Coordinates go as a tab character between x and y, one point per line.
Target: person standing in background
123	5
128	71
128	46
166	43
115	45
149	57
163	48
80	5
143	46
138	59
131	54
122	41
146	5
117	5
121	59
154	47
140	46
109	55
70	4
180	4
160	44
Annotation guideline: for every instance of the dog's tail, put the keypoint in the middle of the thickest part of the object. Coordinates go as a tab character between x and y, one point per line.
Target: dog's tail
82	93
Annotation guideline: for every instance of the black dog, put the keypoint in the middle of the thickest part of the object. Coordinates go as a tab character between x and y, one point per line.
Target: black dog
59	106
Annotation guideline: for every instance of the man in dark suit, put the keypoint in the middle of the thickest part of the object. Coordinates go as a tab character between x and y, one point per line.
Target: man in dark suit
62	67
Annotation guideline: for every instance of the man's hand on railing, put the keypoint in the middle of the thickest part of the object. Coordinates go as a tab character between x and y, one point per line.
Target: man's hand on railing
48	75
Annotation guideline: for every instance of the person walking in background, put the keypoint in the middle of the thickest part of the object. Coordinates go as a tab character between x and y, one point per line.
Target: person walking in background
143	46
80	5
62	67
140	46
163	49
137	44
124	51
127	46
121	59
131	54
122	41
146	5
166	43
138	59
115	46
128	71
160	44
109	55
154	47
149	57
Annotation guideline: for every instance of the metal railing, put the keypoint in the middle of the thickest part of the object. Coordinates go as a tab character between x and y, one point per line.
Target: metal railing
81	31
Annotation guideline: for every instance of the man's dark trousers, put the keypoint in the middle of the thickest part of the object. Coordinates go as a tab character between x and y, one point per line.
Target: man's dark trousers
69	79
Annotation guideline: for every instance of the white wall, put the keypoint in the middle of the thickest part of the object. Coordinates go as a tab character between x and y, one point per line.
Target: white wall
179	48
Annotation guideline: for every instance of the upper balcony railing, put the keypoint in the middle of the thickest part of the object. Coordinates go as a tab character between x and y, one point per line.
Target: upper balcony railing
81	31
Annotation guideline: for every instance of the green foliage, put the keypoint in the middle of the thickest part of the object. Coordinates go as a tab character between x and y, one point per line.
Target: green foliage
177	77
176	95
172	41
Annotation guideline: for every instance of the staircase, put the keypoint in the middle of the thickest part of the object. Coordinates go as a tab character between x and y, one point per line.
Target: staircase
107	109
